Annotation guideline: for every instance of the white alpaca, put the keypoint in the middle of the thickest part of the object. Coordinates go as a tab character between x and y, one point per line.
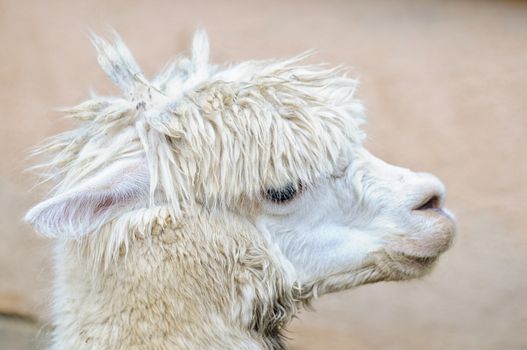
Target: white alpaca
203	207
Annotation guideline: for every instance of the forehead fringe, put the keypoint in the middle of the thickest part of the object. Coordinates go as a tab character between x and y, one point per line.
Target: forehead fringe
207	133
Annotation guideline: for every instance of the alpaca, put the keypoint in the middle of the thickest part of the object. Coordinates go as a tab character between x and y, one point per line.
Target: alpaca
205	207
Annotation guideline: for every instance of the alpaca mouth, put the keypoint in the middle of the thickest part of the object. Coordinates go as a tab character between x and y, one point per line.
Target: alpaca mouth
416	255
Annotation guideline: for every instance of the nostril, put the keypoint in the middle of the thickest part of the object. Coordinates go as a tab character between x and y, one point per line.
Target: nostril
431	202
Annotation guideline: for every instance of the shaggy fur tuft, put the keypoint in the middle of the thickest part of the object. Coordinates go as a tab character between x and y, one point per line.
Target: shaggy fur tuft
212	135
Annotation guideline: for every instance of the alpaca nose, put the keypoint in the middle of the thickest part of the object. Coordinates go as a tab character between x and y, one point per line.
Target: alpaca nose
430	201
430	193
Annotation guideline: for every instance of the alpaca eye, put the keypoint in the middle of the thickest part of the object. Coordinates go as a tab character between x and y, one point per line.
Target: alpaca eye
284	194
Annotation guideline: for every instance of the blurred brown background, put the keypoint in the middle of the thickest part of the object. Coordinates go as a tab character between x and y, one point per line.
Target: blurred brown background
445	85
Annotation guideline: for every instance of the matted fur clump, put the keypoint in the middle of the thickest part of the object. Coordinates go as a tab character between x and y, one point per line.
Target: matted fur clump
212	134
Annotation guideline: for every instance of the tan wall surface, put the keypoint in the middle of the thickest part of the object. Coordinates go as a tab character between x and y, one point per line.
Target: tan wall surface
445	85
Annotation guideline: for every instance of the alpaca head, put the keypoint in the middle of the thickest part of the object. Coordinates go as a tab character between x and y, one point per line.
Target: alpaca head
276	142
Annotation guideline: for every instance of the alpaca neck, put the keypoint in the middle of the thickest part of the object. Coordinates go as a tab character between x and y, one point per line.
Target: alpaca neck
179	287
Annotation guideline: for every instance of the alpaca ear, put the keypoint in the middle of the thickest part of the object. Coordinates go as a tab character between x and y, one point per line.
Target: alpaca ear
95	201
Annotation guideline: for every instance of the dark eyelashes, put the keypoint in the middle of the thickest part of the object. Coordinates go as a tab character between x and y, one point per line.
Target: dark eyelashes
283	194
